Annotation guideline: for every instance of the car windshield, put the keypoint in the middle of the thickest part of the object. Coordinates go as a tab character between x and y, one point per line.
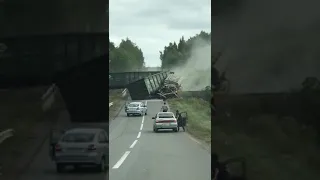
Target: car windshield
133	105
165	115
78	137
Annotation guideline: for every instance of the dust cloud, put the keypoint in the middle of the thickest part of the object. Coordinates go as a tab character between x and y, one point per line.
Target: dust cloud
269	46
195	75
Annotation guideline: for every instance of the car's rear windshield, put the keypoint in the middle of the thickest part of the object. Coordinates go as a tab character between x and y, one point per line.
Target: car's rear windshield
165	115
78	137
133	105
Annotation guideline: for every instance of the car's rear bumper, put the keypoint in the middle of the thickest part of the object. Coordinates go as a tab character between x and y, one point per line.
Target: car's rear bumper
166	125
134	112
77	159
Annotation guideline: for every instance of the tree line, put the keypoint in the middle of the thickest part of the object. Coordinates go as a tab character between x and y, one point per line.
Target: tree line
176	54
127	56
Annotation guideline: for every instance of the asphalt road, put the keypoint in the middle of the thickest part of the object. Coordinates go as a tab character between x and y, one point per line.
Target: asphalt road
137	153
42	168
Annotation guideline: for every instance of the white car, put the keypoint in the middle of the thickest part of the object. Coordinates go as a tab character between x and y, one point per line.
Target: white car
83	146
165	120
136	108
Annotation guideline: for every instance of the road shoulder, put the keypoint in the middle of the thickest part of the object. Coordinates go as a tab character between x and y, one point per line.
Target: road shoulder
199	119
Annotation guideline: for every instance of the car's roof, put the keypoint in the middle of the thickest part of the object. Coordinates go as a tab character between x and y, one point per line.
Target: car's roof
84	130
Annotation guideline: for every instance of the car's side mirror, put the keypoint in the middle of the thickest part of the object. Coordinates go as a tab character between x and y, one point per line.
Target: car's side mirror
153	117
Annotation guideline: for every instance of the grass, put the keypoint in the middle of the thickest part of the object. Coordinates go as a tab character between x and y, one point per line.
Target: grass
115	96
199	116
275	148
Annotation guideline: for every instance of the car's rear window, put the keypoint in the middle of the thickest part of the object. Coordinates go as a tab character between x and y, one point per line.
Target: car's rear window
165	115
78	137
133	105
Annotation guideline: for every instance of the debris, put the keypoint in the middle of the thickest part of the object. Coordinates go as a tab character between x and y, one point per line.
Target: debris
170	88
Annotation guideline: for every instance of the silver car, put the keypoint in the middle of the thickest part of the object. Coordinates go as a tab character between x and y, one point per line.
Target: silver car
136	108
83	146
165	120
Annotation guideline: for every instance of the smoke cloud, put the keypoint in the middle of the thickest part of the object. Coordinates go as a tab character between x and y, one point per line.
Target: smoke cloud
195	75
269	46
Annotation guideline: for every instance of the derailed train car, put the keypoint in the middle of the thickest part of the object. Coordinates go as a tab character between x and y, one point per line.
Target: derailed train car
147	87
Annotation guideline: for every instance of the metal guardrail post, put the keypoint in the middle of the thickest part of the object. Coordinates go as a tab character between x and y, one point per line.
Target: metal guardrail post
6	134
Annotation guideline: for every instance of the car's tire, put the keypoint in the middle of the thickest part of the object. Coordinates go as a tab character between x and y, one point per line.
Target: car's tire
59	167
175	129
102	167
145	113
128	114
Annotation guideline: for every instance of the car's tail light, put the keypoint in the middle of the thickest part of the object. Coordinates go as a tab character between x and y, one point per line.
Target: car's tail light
92	147
166	121
58	148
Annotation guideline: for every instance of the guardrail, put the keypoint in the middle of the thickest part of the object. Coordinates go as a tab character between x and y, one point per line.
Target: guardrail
6	134
124	92
48	97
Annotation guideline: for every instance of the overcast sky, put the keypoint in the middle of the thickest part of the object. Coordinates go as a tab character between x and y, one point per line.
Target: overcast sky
152	24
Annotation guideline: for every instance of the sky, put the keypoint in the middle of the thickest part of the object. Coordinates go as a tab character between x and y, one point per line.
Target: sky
153	24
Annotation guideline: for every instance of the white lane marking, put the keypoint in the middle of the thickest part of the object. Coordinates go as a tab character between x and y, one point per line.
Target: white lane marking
193	139
134	143
146	102
142	119
121	160
139	134
141	127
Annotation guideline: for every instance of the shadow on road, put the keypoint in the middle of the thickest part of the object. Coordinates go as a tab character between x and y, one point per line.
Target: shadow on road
70	171
162	131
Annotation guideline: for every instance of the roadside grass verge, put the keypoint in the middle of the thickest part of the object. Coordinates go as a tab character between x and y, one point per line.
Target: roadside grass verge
199	116
275	148
115	96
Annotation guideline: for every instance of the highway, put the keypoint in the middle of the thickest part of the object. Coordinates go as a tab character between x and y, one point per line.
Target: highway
136	152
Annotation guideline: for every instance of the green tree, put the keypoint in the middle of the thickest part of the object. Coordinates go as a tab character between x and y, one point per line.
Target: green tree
177	54
126	57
